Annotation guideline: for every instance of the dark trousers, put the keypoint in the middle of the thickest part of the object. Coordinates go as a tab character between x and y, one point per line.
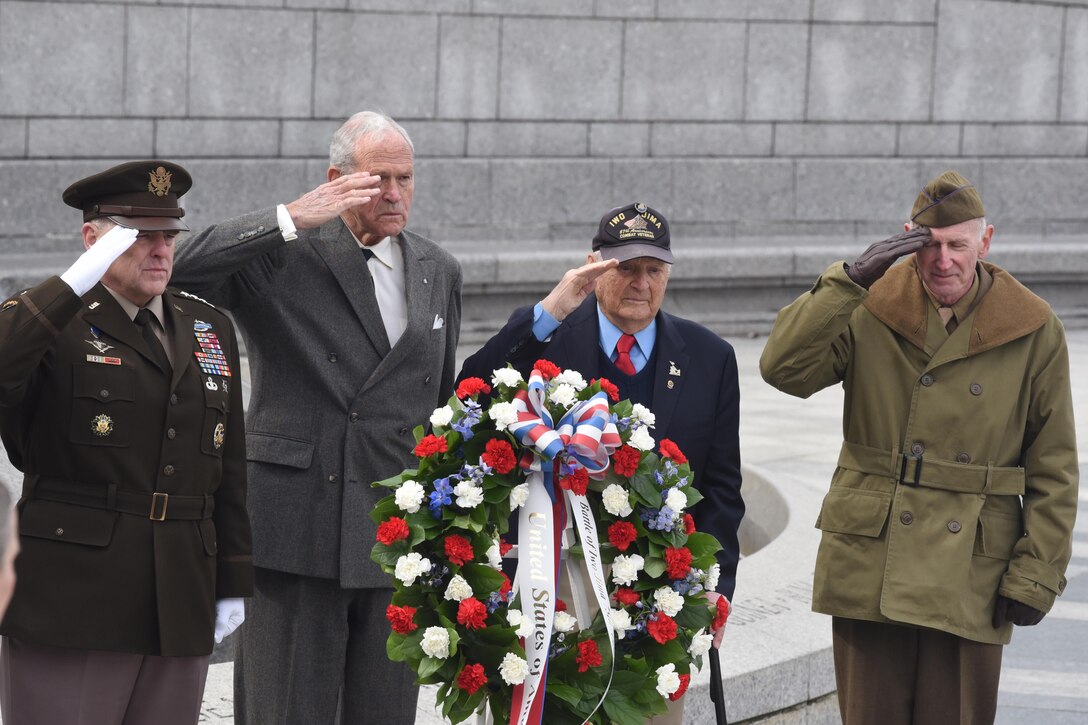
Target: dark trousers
309	649
900	675
49	685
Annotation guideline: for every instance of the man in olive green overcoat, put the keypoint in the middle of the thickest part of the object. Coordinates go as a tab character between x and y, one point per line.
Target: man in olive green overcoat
951	511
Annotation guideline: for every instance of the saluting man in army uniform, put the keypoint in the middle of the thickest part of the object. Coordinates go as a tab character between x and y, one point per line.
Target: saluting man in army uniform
951	512
120	401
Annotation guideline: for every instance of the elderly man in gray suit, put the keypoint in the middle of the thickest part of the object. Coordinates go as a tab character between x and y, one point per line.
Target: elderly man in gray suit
351	324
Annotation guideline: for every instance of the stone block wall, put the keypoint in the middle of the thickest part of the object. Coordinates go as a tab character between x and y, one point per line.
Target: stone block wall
748	122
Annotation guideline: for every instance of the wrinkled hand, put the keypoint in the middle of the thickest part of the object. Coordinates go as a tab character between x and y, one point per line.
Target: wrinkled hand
92	264
719	633
333	198
576	285
1020	614
875	261
229	614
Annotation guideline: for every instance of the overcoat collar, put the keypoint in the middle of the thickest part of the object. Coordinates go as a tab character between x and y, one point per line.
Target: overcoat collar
1005	312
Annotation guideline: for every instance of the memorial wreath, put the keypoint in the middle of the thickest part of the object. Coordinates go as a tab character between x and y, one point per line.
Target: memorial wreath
534	447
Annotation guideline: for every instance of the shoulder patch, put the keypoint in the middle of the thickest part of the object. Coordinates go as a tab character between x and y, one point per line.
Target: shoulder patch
191	296
9	304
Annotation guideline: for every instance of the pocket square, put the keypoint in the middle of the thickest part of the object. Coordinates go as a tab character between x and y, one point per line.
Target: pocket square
438	323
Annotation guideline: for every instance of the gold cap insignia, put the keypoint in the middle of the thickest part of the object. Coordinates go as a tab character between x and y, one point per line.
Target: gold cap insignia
160	181
640	208
636	223
102	425
218	436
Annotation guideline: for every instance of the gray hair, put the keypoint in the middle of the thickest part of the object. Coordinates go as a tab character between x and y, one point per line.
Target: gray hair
5	519
361	125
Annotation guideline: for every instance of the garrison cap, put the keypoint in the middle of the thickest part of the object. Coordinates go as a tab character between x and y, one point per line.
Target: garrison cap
949	199
633	231
140	195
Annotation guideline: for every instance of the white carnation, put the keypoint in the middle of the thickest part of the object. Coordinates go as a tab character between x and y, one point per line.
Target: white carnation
668	601
711	581
563	395
506	376
642	440
519	494
676	500
616	500
458	588
494	556
517	619
668	681
513	669
563	622
621	621
442	416
700	643
625	569
409	496
503	414
436	643
469	495
572	378
643	415
411	566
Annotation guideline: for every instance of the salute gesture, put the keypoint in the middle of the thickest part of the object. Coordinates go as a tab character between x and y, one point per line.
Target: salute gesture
576	285
879	257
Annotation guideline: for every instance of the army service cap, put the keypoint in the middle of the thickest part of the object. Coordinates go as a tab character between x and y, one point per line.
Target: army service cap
949	199
632	231
139	195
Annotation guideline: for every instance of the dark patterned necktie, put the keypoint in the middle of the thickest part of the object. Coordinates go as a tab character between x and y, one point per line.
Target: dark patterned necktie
623	354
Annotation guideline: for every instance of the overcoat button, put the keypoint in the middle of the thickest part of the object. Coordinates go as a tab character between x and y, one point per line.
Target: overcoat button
427	380
976	389
332	357
333	478
173	399
954	526
104	393
171	433
906	518
260	228
917	449
927	380
963	458
353	417
404	431
168	470
241	236
59	532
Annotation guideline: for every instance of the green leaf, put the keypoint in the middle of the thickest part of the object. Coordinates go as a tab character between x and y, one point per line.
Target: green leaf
419	431
646	489
565	692
388	555
482	578
622	709
384	509
397	480
428	666
693	495
701	544
655	567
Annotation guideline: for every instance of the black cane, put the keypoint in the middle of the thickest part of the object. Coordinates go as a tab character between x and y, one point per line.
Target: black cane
716	694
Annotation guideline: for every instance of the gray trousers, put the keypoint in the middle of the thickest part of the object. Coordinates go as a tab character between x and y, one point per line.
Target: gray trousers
900	675
310	649
49	685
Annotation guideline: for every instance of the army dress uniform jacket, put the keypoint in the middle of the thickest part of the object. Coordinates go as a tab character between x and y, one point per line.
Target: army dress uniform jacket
333	405
958	476
696	402
132	520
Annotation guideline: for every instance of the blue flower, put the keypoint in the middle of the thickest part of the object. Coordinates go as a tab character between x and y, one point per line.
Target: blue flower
440	496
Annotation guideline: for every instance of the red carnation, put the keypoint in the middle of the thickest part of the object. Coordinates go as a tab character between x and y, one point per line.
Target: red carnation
471	386
471	678
429	445
678	561
685	680
392	530
689	524
504	546
560	605
401	618
577	482
662	629
669	449
588	655
499	455
608	387
723	609
623	595
547	370
622	534
471	613
504	589
625	460
459	550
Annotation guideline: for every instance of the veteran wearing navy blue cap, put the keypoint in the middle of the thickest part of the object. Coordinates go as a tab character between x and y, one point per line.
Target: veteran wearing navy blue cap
121	404
604	319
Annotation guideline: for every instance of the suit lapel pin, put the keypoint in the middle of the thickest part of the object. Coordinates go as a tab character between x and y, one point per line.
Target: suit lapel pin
210	384
670	385
93	305
673	370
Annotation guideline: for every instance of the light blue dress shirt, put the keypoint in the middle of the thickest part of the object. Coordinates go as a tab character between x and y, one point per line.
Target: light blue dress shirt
544	325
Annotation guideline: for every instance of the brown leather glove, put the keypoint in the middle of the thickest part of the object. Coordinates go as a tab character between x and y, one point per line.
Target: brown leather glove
875	261
1020	614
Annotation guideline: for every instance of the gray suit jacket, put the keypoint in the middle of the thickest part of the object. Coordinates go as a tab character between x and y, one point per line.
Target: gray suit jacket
332	407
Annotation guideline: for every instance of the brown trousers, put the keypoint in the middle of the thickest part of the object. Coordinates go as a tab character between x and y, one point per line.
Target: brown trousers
900	675
48	685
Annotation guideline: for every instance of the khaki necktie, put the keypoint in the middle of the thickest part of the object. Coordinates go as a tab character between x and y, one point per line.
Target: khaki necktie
948	317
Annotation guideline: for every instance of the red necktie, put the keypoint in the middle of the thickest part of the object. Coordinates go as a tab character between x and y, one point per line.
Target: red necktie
623	354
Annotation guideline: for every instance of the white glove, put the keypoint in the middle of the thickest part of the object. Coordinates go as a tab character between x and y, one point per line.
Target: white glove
93	263
229	613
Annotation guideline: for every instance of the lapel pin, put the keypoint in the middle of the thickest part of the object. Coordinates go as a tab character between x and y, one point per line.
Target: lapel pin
93	305
673	370
210	384
670	384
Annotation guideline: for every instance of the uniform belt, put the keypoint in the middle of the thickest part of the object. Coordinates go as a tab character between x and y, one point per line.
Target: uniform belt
932	472
156	506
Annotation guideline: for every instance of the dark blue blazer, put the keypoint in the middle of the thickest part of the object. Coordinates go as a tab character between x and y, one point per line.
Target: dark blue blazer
700	412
